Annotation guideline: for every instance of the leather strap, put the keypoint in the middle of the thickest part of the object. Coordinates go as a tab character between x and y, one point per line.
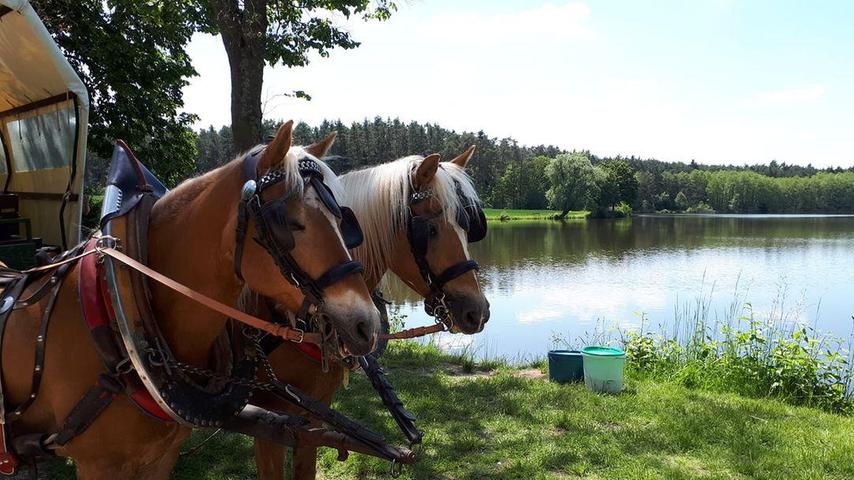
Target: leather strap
288	333
453	272
403	417
88	408
339	272
55	281
414	332
8	460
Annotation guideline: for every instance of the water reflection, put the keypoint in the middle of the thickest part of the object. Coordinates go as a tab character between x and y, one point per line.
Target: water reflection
564	277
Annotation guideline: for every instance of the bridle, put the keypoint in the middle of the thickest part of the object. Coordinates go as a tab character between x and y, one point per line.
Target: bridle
419	230
276	237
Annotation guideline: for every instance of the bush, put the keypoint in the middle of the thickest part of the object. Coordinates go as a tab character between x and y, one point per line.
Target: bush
701	207
753	358
623	209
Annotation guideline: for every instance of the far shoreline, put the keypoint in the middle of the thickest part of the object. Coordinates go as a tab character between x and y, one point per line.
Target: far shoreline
511	215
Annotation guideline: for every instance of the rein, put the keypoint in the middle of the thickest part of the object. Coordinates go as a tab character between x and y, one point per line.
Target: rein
282	331
107	246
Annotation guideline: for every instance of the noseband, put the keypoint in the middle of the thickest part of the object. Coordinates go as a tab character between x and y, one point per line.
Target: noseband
420	229
276	237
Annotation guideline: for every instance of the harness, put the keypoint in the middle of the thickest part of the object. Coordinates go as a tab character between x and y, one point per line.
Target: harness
274	234
137	360
420	229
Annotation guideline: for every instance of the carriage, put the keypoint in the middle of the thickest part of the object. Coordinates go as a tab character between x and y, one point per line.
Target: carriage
44	111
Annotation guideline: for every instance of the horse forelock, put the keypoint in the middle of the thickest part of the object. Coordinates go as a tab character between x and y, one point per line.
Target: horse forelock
380	198
179	198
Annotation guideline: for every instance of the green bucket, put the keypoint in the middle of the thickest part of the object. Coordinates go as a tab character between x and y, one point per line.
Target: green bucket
565	366
603	369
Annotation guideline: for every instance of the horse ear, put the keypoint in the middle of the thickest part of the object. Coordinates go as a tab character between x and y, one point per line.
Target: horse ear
278	148
319	149
464	157
426	171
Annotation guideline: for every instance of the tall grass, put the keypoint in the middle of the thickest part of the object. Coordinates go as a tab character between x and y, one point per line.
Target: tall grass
739	349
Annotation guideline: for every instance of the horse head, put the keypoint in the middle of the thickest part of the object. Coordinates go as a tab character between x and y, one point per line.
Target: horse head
299	257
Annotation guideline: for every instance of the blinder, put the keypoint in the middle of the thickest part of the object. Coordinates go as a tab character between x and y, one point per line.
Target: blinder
351	231
473	221
273	218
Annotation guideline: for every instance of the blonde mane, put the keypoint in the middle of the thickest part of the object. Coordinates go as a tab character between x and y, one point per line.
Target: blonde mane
380	198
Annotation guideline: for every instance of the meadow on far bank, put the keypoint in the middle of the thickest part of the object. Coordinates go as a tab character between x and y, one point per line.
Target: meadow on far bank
507	214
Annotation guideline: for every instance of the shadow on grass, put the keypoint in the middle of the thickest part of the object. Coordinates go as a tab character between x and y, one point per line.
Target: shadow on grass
506	427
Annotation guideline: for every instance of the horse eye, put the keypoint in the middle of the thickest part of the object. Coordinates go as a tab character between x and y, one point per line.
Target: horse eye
432	230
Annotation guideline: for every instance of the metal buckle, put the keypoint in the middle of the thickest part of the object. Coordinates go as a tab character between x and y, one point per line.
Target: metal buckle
301	335
106	241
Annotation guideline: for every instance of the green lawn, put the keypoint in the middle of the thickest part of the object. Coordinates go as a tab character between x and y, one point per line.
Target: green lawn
509	214
508	423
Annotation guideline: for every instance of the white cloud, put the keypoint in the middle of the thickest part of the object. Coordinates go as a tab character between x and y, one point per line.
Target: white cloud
538	315
555	73
786	97
548	22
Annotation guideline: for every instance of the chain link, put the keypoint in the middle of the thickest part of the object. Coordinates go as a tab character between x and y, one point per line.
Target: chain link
225	380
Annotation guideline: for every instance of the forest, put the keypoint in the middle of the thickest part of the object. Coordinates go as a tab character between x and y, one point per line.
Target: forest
513	176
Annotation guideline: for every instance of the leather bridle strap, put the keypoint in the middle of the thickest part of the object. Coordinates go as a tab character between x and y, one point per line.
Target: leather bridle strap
339	272
436	283
454	271
252	207
285	332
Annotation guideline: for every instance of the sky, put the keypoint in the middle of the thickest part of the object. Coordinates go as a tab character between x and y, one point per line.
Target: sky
716	81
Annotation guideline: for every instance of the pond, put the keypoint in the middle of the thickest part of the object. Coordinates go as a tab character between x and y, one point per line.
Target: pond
580	279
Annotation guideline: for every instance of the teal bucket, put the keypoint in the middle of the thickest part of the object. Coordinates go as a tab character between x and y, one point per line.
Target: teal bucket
603	369
565	366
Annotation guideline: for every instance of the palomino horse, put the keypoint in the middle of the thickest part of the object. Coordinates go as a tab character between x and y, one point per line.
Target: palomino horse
382	198
192	240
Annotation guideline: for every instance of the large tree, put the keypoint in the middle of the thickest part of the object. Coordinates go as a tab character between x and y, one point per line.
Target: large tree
572	183
287	32
131	57
622	183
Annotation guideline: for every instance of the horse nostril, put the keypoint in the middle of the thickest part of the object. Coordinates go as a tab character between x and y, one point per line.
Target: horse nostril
363	331
473	317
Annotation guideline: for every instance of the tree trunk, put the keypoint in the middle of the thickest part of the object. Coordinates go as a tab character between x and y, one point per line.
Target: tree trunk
244	37
247	79
562	214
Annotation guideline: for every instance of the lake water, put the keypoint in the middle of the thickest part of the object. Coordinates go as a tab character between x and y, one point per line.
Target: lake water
581	278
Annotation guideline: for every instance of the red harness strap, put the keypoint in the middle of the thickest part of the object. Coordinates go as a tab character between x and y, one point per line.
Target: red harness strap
8	460
311	350
99	314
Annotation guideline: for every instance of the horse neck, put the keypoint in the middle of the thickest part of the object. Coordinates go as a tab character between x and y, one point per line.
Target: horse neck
190	239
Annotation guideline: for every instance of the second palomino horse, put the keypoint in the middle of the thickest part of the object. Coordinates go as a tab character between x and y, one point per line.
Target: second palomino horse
418	216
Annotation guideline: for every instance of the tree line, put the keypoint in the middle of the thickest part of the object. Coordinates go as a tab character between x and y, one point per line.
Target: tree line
513	176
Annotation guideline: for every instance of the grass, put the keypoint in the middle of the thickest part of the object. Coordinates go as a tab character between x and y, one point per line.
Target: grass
504	214
738	350
511	423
